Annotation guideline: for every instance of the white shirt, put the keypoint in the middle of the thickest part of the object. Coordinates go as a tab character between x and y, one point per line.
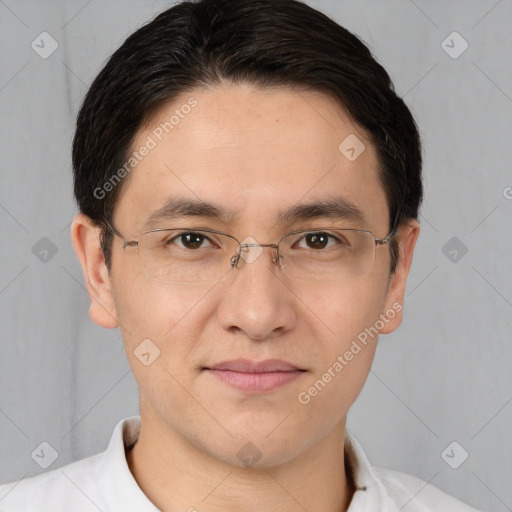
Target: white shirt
103	482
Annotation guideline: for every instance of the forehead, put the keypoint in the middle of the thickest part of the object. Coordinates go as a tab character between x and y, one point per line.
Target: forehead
254	152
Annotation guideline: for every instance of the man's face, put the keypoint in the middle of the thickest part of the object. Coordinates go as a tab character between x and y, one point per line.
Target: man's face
255	153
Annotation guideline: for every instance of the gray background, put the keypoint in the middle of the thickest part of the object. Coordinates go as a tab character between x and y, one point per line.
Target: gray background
443	377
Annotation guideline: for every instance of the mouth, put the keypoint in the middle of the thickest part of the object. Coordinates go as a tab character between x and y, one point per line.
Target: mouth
255	376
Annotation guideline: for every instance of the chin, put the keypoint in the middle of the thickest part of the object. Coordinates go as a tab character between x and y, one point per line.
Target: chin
264	447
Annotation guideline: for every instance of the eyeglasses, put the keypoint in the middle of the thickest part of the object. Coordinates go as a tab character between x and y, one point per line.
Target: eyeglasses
188	255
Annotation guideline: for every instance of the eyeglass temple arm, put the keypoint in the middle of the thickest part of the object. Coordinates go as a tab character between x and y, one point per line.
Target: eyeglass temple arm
113	230
387	239
393	232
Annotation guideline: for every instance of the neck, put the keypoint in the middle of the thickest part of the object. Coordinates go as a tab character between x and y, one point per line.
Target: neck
176	475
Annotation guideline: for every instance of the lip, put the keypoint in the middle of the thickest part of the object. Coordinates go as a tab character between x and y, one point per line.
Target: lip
255	376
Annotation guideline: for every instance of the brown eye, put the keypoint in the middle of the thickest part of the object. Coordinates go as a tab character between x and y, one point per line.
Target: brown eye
317	240
188	240
192	240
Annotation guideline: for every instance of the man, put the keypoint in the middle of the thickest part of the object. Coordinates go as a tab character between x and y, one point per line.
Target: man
248	185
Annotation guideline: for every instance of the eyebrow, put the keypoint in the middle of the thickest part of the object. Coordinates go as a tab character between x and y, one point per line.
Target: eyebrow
176	208
334	208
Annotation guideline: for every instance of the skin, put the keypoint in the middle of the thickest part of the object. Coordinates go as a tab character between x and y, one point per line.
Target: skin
255	152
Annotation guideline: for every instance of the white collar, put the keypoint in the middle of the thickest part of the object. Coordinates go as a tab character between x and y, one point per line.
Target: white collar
122	490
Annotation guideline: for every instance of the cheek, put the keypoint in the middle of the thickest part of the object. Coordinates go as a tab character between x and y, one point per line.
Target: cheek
342	310
346	318
168	316
345	348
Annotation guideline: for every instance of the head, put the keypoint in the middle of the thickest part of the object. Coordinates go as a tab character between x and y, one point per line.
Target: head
245	106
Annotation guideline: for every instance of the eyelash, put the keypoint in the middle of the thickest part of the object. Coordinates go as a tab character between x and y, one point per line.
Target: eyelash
178	236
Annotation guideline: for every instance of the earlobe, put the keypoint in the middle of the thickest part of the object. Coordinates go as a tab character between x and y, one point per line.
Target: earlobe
407	238
85	238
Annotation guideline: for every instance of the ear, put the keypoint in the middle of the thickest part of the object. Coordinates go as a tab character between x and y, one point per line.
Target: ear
86	241
407	236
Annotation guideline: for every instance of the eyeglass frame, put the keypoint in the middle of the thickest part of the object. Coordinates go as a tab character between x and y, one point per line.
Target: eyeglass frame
236	259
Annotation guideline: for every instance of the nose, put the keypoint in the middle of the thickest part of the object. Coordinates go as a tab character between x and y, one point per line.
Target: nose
257	302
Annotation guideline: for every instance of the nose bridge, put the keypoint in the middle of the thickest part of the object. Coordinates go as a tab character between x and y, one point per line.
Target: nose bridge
251	256
256	302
